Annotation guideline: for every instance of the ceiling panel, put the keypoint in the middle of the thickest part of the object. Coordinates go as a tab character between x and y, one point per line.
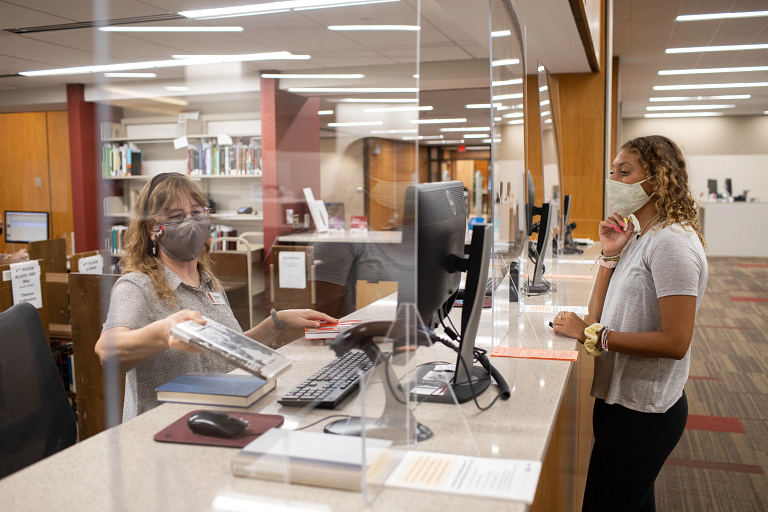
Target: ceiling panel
12	16
130	48
89	10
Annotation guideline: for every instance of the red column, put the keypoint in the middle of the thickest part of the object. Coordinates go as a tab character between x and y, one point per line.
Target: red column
82	155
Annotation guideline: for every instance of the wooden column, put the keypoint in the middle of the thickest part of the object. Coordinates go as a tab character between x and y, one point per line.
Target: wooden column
82	154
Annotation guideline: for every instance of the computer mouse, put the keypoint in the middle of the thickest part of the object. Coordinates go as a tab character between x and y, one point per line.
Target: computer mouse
216	424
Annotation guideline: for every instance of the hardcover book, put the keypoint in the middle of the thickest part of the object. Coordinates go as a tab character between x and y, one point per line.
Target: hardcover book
215	389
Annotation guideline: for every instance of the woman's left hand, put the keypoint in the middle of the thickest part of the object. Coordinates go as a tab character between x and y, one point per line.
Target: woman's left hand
304	318
569	324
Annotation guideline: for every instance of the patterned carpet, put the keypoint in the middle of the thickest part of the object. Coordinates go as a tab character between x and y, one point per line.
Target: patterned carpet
721	463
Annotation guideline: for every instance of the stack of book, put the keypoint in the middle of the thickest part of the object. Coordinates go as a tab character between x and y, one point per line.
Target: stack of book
224	389
208	158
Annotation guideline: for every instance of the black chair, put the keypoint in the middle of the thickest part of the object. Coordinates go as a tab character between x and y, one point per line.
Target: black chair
36	419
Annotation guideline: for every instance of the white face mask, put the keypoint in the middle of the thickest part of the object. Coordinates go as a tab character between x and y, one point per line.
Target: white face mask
626	198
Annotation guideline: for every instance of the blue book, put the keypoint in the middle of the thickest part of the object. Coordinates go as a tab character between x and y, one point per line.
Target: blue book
215	389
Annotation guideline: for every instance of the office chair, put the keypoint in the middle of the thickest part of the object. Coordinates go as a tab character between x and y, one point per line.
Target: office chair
36	419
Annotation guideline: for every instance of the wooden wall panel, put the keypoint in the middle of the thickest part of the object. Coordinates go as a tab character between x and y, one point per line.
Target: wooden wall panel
390	170
615	136
60	174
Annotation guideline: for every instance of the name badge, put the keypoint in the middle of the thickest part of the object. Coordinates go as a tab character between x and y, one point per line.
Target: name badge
216	298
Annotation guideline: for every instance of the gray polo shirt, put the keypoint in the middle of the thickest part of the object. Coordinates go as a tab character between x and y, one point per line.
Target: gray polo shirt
134	304
663	262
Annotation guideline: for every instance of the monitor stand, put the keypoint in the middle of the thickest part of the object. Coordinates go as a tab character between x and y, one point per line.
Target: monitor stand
537	284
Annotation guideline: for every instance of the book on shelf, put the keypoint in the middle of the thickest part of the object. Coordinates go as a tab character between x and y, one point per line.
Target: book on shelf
218	231
215	389
314	458
328	331
116	239
209	158
120	161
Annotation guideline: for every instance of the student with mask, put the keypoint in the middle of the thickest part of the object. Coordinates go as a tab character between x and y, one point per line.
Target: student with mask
167	280
641	314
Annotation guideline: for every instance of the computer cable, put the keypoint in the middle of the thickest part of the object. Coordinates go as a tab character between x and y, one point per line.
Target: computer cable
324	419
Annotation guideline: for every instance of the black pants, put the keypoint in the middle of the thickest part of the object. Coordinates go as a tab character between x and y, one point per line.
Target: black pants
630	449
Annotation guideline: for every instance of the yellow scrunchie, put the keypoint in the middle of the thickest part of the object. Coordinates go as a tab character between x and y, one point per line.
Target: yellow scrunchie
590	345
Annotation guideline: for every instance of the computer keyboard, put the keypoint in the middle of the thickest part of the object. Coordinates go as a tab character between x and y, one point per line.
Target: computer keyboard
329	386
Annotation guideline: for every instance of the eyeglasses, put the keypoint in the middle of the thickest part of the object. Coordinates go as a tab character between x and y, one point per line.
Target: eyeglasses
178	216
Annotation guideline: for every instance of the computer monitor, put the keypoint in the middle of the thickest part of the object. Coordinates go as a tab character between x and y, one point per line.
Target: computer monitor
712	185
728	187
431	225
25	227
536	284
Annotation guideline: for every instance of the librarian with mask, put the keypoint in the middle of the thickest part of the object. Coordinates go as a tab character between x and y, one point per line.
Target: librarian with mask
167	280
641	315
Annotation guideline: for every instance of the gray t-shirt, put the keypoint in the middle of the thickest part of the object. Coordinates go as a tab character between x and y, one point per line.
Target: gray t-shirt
665	261
134	304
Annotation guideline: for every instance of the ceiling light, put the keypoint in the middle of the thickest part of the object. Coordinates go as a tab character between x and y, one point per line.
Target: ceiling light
439	121
508	96
514	81
734	47
130	75
504	107
712	70
515	114
187	61
357	2
686	114
497	119
424	137
415	76
248	14
703	98
520	121
543	114
353	89
412	28
721	16
412	130
171	29
325	112
477	148
360	123
483	105
505	62
689	107
547	121
476	135
374	100
397	109
501	33
545	102
707	86
467	129
491	140
319	77
542	89
445	142
246	10
173	88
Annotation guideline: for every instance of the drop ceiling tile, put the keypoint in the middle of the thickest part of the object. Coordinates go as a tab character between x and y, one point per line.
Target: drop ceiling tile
89	10
130	48
14	16
305	41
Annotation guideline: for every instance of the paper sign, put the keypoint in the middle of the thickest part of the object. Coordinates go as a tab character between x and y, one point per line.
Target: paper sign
223	139
180	142
552	310
91	265
319	215
25	282
293	270
534	353
6	275
308	195
476	476
184	116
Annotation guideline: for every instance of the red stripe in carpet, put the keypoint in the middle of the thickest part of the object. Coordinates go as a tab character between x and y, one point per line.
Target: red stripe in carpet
749	299
758	265
727	327
705	464
702	377
714	424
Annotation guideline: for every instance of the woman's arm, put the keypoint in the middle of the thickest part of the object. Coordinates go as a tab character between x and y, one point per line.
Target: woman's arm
266	332
132	347
614	235
677	314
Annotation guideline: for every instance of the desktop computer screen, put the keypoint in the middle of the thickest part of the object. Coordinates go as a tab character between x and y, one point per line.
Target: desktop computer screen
25	227
712	186
536	284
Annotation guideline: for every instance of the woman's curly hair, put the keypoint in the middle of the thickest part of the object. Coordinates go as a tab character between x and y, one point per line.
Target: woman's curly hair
666	170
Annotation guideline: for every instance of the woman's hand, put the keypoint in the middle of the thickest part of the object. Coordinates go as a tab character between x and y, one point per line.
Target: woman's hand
569	324
614	234
304	318
175	319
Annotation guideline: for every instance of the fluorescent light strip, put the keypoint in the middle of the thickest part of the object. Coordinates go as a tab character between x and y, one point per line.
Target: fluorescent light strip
374	100
508	96
497	119
491	140
476	135
424	137
238	15
542	89
686	114
130	75
397	109
514	81
721	16
515	114
765	112
234	58
483	105
171	29
360	123
445	142
439	121
353	89
501	33
520	121
712	70
325	112
172	88
476	148
319	77
358	2
547	121
731	48
467	129
505	62
689	107
543	114
245	10
707	86
412	130
354	28
703	98
545	102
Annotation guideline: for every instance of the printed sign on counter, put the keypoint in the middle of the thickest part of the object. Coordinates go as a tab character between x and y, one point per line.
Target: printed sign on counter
293	270
535	353
25	282
91	264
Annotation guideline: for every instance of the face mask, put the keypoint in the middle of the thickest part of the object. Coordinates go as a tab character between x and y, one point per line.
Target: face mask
626	198
183	241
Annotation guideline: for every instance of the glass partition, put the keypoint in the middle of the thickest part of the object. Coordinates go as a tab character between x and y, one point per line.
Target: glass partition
549	108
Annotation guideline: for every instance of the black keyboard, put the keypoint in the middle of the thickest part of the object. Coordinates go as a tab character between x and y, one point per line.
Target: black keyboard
329	386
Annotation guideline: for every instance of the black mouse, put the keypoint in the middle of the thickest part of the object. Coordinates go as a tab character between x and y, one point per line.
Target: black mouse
216	424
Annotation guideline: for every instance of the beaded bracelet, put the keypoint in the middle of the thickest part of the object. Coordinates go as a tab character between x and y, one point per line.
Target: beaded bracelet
607	261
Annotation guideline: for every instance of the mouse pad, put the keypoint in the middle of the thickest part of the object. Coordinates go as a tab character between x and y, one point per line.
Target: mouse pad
178	431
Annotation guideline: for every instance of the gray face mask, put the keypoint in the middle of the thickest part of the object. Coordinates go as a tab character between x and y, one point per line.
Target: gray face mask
183	241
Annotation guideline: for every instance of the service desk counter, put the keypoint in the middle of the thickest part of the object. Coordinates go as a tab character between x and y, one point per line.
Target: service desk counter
735	229
546	419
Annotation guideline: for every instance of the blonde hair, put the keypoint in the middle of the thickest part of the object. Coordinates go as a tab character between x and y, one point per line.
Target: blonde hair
151	204
666	169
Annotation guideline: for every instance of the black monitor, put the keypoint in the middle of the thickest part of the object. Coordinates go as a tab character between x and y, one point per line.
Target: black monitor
25	227
712	185
536	283
728	187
